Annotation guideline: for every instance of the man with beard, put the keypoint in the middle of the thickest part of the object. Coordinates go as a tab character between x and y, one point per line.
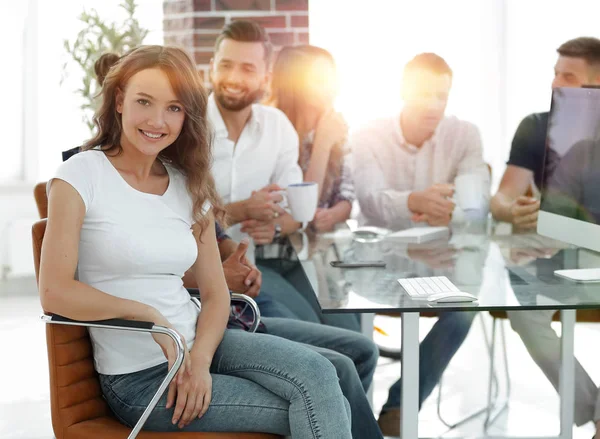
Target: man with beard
255	150
255	147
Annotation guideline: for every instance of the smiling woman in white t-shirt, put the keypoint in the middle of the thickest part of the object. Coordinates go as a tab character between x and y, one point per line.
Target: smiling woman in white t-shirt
127	218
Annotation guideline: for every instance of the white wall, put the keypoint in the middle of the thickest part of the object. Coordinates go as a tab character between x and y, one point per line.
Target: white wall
58	104
44	116
17	214
502	53
12	27
537	29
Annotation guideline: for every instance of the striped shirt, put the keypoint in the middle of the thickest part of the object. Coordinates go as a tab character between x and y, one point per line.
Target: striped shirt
386	168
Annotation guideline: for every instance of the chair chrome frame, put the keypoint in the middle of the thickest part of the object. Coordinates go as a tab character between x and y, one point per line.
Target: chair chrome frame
135	326
149	327
494	406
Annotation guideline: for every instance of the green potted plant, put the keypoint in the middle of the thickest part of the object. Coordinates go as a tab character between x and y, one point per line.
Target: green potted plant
96	37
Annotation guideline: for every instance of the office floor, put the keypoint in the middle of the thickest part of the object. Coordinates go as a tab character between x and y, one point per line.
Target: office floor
532	411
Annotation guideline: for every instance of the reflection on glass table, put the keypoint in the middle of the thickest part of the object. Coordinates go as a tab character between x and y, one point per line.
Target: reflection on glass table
509	272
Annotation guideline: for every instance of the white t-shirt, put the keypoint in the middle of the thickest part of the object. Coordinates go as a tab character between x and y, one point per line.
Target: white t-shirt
136	246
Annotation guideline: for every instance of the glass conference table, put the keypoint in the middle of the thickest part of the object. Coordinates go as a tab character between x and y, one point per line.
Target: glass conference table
506	272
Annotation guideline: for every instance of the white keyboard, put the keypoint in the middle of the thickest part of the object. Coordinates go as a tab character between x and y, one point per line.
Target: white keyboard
423	287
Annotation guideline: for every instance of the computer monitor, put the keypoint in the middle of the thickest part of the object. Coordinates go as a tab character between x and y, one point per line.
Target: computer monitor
570	203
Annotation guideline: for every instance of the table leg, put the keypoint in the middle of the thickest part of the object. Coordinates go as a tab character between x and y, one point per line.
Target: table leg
367	325
410	375
567	373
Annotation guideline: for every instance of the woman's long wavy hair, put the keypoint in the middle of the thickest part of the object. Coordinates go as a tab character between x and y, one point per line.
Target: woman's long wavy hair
190	153
290	83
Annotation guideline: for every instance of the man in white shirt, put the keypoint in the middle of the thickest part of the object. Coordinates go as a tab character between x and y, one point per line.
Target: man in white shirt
404	168
255	153
255	147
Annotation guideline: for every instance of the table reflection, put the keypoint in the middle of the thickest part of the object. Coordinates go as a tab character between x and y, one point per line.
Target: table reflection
503	271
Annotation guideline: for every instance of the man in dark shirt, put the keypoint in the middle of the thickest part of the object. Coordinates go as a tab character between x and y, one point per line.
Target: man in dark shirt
515	202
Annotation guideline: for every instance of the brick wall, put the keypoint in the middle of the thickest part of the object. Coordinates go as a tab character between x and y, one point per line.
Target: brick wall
195	24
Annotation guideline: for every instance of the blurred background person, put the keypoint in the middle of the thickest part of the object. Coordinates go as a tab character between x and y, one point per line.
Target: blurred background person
304	86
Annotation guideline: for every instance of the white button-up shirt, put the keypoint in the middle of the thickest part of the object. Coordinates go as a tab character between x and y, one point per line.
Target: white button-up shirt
386	169
265	153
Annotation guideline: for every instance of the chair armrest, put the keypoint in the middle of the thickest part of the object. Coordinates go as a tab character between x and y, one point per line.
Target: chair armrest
136	326
120	323
235	297
194	292
248	301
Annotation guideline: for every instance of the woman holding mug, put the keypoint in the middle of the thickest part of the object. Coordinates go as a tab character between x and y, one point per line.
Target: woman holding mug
304	86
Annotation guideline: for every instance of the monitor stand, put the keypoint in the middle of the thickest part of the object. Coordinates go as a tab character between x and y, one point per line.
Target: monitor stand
580	275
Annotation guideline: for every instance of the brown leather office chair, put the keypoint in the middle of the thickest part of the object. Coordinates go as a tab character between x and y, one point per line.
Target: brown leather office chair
41	199
77	406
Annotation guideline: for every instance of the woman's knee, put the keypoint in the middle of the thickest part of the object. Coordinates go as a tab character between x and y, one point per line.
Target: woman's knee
281	357
318	369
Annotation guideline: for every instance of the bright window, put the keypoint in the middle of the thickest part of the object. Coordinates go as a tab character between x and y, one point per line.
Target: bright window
13	17
502	53
60	120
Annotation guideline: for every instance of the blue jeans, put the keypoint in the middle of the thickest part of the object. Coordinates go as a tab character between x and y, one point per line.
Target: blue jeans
261	383
283	286
354	357
435	353
270	308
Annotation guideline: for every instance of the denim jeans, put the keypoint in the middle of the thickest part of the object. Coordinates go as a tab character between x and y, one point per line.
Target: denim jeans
269	307
283	286
354	357
261	383
543	344
435	353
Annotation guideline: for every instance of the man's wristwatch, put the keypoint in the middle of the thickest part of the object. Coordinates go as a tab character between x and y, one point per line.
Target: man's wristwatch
277	231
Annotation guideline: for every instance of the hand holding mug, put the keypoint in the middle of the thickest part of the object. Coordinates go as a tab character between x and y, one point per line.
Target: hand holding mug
263	204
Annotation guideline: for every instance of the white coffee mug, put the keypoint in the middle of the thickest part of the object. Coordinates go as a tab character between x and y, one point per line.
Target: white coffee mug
468	191
302	200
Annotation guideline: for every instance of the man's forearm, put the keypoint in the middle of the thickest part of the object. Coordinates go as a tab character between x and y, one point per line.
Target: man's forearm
500	206
341	211
288	224
236	212
226	248
386	207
